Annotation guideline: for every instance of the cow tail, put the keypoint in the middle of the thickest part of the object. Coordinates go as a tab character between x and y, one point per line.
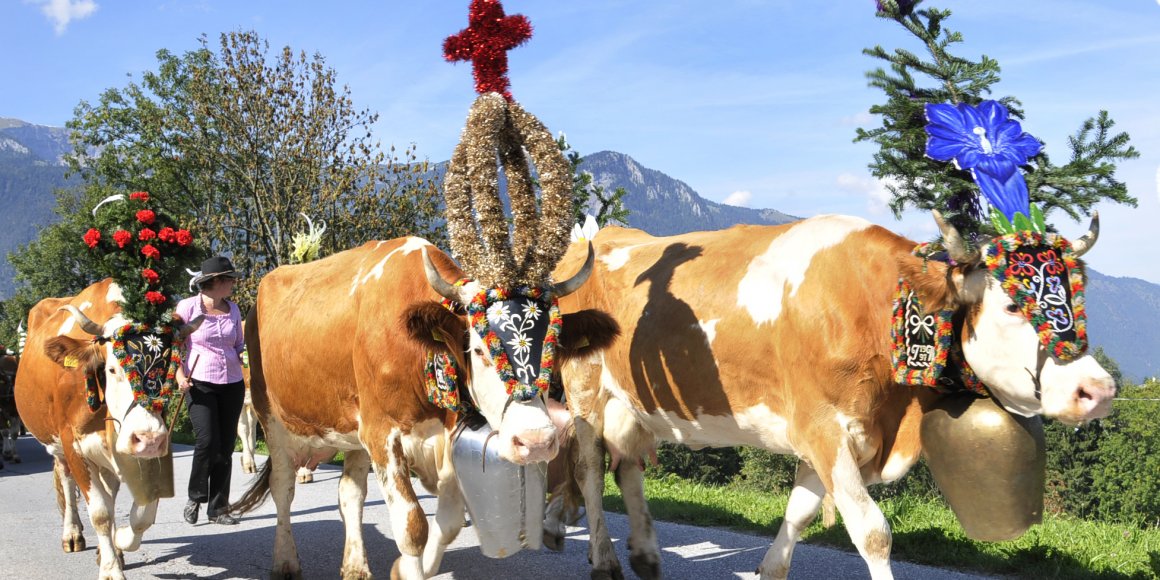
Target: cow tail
258	492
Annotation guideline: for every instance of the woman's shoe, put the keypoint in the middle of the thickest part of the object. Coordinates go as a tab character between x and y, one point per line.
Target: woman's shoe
191	509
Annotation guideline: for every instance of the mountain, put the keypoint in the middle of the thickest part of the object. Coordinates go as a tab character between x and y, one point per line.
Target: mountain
1122	315
31	169
663	206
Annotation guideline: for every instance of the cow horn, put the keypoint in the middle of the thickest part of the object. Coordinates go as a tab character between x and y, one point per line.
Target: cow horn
190	327
86	323
956	247
575	282
436	281
1086	241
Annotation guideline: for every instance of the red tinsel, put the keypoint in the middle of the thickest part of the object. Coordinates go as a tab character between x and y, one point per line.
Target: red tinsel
485	42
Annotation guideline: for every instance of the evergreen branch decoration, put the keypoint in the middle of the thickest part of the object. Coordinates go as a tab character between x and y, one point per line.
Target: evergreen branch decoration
910	81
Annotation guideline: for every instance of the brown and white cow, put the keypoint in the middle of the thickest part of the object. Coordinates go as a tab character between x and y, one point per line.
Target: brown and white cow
780	338
248	435
9	416
337	351
51	397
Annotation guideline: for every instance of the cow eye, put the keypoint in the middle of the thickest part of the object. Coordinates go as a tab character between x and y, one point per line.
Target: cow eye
1013	309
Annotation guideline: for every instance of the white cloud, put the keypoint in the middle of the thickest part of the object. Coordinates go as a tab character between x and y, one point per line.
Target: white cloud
62	12
739	199
863	118
877	196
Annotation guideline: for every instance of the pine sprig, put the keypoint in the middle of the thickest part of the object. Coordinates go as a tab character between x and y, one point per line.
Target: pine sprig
912	80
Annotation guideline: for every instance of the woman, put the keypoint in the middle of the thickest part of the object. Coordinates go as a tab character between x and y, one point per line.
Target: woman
211	376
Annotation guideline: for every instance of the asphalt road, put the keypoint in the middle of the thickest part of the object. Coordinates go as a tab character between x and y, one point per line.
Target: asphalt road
30	539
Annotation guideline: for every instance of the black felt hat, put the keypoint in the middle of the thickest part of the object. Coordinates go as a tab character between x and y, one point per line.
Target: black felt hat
213	267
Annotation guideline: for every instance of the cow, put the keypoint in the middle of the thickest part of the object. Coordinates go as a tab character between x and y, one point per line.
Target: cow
248	435
337	351
65	350
780	338
9	417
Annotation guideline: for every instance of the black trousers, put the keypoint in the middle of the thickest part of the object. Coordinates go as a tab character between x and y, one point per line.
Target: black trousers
214	410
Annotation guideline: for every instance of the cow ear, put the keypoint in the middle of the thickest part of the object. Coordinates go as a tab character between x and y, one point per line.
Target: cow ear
434	327
69	352
586	332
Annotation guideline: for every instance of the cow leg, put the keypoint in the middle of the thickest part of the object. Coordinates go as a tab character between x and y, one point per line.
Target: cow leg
864	520
447	523
10	441
352	493
408	522
804	501
590	476
128	538
72	539
644	554
247	432
102	499
286	563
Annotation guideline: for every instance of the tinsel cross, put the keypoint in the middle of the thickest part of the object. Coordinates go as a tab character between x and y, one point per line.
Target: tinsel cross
485	42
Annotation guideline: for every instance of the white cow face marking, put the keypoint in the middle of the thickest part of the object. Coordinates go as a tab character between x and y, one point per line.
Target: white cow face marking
140	432
525	432
1004	350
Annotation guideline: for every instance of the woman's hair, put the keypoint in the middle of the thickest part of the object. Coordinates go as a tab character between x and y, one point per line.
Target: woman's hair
209	283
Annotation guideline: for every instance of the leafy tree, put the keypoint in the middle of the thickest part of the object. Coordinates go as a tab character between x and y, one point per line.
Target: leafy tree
241	142
916	180
609	206
1125	480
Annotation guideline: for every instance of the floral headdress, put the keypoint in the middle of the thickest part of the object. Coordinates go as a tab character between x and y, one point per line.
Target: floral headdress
516	310
143	251
1038	269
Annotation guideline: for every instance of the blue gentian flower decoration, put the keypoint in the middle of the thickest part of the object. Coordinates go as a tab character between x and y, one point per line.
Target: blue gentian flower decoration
991	146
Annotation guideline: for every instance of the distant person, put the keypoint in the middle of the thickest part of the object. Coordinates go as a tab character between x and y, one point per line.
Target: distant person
211	376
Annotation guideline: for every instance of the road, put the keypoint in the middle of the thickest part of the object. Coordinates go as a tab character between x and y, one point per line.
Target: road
30	542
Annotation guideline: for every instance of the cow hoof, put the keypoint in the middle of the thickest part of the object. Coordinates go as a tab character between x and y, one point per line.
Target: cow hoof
307	477
647	566
286	574
73	544
248	468
363	574
554	542
613	574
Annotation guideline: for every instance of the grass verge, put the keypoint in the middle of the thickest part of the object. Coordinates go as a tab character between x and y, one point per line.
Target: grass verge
924	531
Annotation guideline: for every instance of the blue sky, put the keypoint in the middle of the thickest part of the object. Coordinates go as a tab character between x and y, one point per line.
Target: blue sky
750	101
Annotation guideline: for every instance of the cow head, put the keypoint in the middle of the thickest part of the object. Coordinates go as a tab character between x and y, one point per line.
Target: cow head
509	343
134	364
1021	303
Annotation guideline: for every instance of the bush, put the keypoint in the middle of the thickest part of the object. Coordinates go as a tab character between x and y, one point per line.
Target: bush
710	466
763	470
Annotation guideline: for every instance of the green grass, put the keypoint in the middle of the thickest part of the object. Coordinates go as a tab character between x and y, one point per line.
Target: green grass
924	531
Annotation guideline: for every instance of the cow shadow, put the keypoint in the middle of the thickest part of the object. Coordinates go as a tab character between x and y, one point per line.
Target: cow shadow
249	553
671	371
33	458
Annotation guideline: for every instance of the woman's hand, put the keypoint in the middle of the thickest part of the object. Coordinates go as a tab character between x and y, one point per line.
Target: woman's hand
184	383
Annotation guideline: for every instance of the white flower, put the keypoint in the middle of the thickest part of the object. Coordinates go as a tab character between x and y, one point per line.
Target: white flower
498	313
520	345
153	343
532	310
585	232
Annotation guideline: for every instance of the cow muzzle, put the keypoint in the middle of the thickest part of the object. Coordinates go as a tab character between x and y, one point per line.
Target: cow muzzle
147	444
527	435
1091	400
